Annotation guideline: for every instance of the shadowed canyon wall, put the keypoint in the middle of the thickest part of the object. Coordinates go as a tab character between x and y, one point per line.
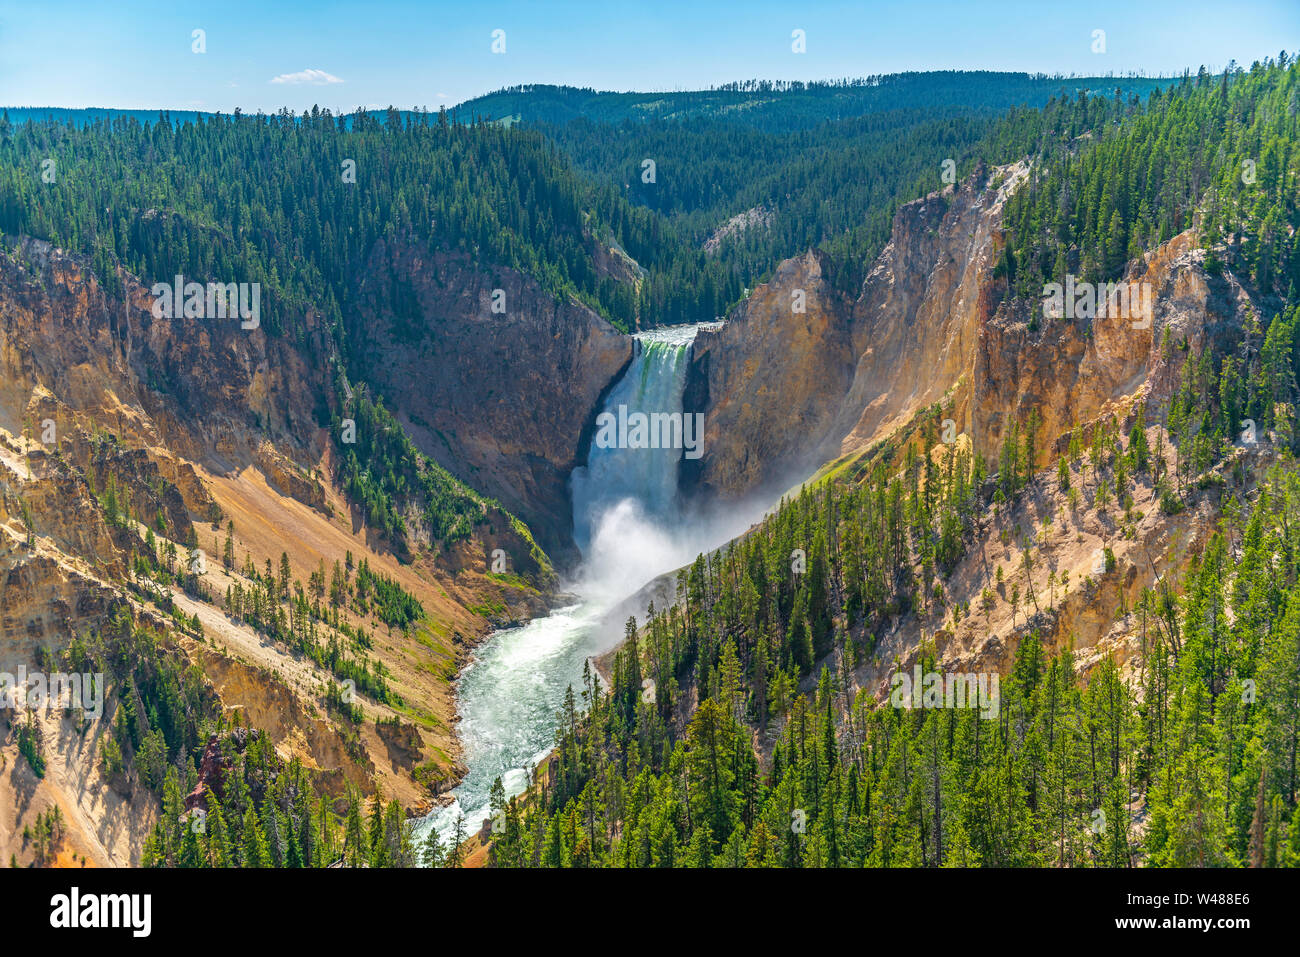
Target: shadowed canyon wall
501	400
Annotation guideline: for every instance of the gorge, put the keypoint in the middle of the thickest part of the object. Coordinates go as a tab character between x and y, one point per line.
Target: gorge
363	558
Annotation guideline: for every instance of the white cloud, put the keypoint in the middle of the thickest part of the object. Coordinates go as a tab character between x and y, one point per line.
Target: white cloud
313	77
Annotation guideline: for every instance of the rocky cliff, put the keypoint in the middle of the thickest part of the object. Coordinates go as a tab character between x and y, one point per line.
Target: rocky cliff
784	392
917	322
501	399
933	329
206	390
1073	372
771	381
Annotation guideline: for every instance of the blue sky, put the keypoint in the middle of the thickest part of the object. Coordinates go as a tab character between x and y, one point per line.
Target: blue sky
266	55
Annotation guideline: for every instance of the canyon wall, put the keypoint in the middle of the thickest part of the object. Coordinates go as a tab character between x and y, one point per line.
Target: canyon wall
934	328
504	401
207	390
186	425
770	381
785	392
1074	372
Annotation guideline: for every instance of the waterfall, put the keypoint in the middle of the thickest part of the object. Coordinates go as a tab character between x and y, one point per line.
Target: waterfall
631	526
644	477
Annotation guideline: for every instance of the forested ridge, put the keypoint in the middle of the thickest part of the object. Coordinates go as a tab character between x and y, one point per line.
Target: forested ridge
818	179
1215	152
784	106
265	200
269	199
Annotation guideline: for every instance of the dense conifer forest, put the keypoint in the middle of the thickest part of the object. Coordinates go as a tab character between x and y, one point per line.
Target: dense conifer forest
779	765
1214	152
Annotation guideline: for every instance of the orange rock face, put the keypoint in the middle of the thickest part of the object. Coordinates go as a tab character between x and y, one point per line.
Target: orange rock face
785	391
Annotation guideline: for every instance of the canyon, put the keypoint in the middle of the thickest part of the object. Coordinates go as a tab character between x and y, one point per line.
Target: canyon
202	424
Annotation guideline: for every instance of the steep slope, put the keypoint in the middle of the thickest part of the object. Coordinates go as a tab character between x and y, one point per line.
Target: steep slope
138	452
932	337
770	381
858	369
931	327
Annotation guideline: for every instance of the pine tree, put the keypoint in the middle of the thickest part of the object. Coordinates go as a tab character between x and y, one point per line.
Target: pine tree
253	848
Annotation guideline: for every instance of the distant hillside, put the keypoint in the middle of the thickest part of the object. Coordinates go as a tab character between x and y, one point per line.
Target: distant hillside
761	104
80	118
776	106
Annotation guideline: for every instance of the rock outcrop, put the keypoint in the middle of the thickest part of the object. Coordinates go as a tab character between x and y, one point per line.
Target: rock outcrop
917	323
1076	371
207	390
770	381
